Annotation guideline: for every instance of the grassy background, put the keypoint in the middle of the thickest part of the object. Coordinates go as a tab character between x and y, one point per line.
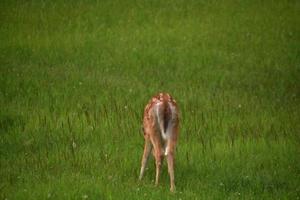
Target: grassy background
75	77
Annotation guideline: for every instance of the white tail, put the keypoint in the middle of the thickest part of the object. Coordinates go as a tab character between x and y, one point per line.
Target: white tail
160	125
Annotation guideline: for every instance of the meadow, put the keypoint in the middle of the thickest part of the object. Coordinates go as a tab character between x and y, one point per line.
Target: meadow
75	77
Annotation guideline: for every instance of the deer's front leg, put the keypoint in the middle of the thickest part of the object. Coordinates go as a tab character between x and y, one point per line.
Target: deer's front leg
158	163
158	154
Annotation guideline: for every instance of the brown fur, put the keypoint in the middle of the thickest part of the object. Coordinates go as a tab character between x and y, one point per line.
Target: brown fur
154	123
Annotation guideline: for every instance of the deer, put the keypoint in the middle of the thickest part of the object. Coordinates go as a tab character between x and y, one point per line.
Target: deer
160	128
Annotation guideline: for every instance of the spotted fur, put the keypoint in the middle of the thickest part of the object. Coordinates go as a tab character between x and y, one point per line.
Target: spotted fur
160	125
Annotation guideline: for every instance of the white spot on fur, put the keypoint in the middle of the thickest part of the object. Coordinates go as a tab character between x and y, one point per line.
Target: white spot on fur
166	151
164	135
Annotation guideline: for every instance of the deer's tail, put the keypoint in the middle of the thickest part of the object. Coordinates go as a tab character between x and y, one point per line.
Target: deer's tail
163	117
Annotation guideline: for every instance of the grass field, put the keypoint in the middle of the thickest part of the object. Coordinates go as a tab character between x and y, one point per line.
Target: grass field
76	75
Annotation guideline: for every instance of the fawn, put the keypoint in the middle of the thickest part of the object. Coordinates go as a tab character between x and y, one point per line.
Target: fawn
160	126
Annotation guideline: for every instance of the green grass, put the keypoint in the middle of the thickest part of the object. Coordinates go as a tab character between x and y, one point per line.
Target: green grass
75	77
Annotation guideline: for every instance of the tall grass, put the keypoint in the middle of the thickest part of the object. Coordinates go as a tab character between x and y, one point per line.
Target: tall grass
75	76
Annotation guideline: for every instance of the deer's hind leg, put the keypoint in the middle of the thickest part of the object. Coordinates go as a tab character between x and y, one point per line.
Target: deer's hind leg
147	151
170	151
170	160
